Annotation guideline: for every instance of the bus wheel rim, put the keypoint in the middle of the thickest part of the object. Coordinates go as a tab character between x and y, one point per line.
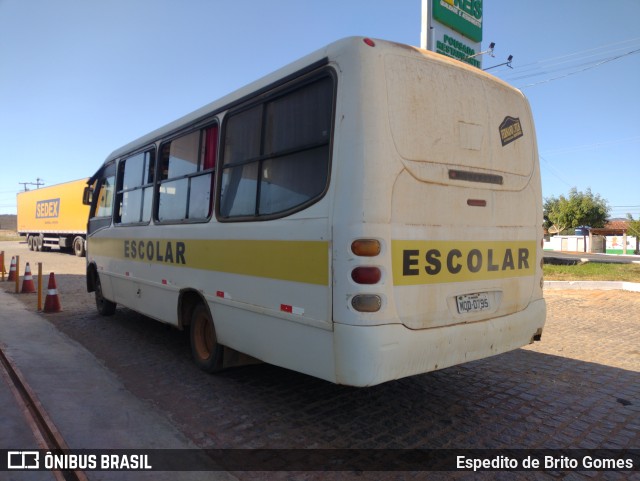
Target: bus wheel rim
205	339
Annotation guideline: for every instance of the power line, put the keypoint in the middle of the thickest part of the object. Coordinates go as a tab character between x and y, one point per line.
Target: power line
633	52
597	145
554	171
574	63
580	55
37	183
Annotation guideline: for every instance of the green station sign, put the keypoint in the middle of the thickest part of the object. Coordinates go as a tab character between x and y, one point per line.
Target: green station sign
463	16
458	49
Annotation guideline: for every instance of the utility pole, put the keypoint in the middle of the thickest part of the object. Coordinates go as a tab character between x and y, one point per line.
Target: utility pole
37	183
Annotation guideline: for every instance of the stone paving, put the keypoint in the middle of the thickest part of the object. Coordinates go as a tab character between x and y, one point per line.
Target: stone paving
578	388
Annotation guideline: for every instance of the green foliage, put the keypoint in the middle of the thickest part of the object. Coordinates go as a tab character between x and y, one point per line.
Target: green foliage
634	226
634	230
593	271
576	210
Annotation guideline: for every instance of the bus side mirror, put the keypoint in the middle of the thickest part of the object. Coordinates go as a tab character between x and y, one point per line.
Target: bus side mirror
87	195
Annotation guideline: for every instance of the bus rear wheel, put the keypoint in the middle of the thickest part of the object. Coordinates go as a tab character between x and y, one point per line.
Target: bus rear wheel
105	307
207	353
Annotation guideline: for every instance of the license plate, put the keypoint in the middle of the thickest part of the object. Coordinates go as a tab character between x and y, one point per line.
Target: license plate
473	302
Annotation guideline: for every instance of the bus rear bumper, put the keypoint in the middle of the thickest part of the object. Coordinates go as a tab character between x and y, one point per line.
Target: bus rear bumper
369	355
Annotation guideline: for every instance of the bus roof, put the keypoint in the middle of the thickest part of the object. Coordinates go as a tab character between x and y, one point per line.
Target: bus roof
307	63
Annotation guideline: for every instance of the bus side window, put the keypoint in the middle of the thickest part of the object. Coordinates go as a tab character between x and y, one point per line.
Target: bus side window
135	188
276	154
186	176
201	191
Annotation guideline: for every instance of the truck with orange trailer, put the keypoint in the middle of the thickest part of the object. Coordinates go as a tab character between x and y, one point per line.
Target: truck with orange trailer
54	216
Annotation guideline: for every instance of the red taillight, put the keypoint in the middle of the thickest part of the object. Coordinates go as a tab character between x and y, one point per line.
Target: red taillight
366	275
476	202
369	42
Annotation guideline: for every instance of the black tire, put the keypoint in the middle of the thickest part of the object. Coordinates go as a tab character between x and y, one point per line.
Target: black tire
37	243
78	247
105	307
30	243
206	352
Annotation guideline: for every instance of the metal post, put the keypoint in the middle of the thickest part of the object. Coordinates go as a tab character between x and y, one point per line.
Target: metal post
39	286
17	274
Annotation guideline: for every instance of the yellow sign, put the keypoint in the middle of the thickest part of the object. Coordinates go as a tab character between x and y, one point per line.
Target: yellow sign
433	262
297	261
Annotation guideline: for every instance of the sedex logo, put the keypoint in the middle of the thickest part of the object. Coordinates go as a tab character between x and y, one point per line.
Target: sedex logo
47	209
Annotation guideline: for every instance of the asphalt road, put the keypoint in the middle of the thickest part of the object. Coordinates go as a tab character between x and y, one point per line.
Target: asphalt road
553	257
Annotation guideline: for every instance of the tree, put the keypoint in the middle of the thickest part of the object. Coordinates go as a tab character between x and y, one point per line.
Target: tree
578	209
554	222
634	230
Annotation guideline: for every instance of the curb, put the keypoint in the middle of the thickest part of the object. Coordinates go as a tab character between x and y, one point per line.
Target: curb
593	285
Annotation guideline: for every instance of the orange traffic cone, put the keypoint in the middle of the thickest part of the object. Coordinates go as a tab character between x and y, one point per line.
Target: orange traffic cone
12	270
27	281
52	301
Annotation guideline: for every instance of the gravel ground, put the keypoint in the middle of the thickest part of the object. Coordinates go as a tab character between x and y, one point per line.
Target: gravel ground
68	269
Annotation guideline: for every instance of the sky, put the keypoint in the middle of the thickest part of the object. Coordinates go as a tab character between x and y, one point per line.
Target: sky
80	78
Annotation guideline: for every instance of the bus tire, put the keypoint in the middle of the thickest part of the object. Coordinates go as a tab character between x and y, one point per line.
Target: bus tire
79	247
105	307
207	353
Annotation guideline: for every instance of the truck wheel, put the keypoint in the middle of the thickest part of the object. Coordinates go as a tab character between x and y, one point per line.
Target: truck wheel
37	243
105	307
30	242
78	247
206	351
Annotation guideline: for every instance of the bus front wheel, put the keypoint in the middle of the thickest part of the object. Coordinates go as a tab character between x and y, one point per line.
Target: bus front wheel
206	351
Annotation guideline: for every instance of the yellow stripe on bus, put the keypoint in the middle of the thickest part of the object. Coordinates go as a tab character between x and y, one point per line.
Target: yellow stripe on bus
296	261
430	262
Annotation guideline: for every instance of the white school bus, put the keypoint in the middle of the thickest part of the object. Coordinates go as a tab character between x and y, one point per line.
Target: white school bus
369	212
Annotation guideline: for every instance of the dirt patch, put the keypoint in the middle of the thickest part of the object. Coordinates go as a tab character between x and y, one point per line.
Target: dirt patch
68	269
